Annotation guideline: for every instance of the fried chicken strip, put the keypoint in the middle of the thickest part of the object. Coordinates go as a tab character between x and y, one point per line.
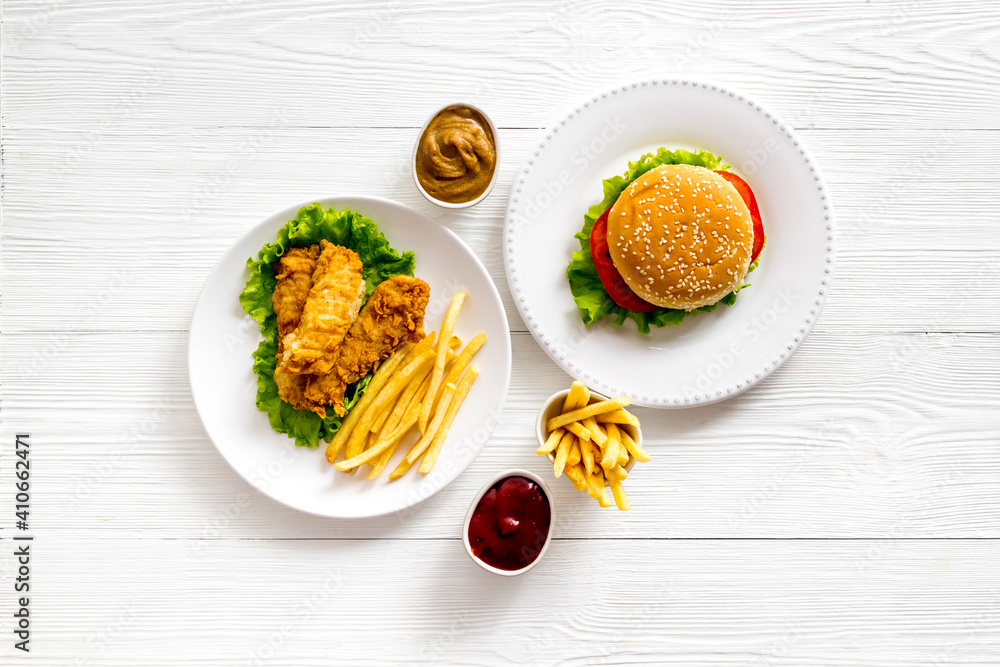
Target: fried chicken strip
294	271
336	295
394	315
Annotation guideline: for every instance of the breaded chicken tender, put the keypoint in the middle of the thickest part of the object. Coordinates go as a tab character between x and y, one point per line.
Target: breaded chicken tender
294	272
393	315
292	390
336	295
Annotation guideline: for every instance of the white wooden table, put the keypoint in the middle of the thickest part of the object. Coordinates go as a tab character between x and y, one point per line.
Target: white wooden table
844	512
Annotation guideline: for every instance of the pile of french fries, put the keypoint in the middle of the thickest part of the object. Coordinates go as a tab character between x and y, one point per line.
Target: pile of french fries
588	443
420	385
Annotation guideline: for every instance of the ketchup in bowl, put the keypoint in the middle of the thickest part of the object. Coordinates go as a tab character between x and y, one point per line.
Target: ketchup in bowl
510	524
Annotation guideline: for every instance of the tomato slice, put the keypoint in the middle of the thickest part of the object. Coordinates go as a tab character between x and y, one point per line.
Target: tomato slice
751	202
612	280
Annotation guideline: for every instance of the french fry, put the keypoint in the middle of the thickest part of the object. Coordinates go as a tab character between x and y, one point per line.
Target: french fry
622	453
619	493
400	470
610	453
577	397
374	387
425	383
390	391
621	416
587	453
597	434
406	398
579	430
597	487
562	453
463	359
390	418
610	458
424	442
430	458
574	453
414	403
447	326
379	447
577	477
422	392
614	433
591	410
414	350
421	384
383	460
617	472
370	440
551	442
383	417
633	448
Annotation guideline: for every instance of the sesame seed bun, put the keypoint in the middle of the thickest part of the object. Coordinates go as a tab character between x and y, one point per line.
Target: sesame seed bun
681	236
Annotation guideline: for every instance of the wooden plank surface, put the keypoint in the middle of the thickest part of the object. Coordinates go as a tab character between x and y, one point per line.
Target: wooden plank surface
846	511
796	603
917	224
844	64
833	444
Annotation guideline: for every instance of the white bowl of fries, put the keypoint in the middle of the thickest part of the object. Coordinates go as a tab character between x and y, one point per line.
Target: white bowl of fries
591	438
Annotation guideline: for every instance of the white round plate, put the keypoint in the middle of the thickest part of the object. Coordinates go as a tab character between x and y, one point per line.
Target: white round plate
223	338
711	356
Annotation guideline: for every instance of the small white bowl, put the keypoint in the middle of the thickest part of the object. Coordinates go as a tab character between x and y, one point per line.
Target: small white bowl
475	503
553	407
496	166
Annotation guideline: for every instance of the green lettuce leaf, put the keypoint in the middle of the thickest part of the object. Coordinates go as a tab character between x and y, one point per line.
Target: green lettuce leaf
589	294
313	223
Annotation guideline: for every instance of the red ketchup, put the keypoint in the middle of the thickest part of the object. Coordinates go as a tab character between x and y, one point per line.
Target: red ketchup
510	524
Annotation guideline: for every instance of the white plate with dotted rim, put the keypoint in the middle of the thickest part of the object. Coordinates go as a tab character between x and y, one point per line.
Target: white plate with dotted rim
709	357
223	338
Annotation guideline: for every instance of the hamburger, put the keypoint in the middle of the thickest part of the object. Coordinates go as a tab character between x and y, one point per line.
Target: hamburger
681	237
675	236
